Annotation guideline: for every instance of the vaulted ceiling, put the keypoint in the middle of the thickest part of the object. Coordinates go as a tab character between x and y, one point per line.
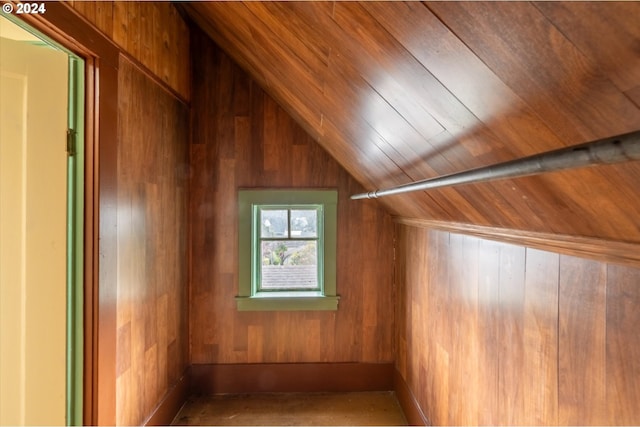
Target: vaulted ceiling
404	91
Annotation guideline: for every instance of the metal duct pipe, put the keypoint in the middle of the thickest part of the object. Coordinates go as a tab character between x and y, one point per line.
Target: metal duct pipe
616	149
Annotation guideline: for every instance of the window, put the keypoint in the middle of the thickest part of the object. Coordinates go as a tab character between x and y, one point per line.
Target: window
287	246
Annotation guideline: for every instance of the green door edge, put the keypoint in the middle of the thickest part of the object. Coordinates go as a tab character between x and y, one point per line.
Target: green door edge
75	242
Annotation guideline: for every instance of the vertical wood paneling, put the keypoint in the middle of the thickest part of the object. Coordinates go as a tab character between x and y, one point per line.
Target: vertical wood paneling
468	340
499	334
152	244
242	138
510	332
151	32
540	382
623	351
581	348
488	332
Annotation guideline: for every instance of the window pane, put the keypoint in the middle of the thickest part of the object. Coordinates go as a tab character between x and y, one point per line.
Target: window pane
291	264
273	223
304	223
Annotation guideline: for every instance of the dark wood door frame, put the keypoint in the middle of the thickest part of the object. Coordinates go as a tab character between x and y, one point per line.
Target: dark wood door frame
101	56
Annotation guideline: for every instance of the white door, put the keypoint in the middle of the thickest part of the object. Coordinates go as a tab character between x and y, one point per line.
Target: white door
33	229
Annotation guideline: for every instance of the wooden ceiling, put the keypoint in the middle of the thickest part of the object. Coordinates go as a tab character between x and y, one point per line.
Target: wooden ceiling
404	91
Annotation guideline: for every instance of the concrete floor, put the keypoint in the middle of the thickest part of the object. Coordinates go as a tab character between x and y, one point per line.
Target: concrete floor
293	409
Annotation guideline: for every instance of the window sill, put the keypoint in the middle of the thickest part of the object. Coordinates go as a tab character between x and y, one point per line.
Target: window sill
303	301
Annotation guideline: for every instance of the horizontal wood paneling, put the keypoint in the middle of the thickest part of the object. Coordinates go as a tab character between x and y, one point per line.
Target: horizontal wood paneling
494	333
242	138
152	32
291	377
403	91
152	337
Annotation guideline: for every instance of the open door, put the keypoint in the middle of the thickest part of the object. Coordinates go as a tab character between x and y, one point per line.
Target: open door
41	160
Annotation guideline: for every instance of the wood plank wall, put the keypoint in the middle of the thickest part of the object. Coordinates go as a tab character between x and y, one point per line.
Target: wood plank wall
152	233
242	138
493	333
151	32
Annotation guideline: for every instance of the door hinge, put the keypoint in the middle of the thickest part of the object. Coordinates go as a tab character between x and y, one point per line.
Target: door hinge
71	142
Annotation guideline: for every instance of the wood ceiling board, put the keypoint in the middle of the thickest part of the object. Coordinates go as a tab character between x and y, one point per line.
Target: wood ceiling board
607	206
613	47
358	161
452	63
562	85
372	107
492	201
634	95
580	97
360	77
385	65
452	201
408	155
353	131
430	42
358	100
298	35
468	81
359	158
372	115
397	141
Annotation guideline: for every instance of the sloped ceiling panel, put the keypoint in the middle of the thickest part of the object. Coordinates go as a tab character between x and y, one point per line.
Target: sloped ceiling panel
404	91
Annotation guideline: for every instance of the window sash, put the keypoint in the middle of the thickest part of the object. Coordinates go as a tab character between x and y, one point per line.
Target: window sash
256	247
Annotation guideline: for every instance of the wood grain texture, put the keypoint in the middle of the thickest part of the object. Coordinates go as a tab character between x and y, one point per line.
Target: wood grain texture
620	62
104	281
412	411
622	353
151	32
582	342
540	317
167	408
290	377
499	334
241	139
617	252
152	244
403	91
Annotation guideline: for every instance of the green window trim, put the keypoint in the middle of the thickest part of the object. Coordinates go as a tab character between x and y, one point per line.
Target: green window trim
249	297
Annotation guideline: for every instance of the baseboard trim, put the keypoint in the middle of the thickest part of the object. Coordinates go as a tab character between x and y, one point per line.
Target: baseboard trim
291	377
408	402
169	406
